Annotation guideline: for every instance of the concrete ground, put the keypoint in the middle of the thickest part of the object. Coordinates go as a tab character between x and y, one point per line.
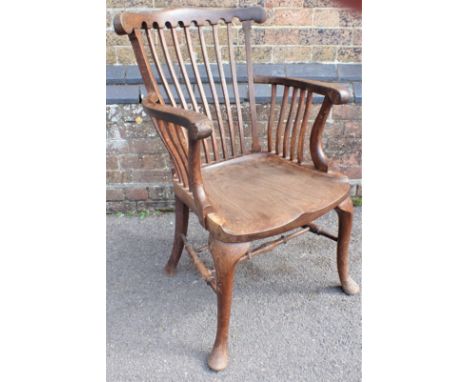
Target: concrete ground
290	321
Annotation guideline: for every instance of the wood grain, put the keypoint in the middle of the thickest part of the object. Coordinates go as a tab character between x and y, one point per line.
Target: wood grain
260	195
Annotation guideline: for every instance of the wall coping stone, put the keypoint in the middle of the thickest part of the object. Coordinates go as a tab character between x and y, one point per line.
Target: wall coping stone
125	85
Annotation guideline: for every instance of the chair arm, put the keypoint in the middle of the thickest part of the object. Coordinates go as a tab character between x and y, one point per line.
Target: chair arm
198	125
337	93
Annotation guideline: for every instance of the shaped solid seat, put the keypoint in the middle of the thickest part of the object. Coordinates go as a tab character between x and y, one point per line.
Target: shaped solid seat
262	194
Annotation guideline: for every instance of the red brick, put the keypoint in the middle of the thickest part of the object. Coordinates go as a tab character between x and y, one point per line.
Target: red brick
114	177
321	3
149	176
113	39
115	195
112	163
257	37
325	36
354	172
109	18
117	146
324	53
156	193
282	36
143	146
334	129
291	16
292	54
352	128
130	162
357	37
115	3
125	55
134	130
283	3
347	112
260	54
350	18
111	59
136	193
152	161
349	54
139	3
199	3
326	18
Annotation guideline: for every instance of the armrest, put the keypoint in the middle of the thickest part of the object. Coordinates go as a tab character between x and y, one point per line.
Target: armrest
198	127
337	93
197	124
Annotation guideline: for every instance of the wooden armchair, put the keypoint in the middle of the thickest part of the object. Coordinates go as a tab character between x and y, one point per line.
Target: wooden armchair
239	191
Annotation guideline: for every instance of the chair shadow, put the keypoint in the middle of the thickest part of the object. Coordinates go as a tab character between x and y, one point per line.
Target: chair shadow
331	290
252	274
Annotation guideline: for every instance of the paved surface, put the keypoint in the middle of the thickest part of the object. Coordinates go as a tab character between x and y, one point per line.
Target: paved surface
290	321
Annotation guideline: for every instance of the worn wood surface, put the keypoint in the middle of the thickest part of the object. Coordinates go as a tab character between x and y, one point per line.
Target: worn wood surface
260	195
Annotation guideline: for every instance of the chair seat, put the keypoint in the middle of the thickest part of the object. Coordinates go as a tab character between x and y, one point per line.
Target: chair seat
260	195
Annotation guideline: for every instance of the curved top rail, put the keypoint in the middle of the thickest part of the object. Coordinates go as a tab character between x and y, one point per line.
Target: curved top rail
127	22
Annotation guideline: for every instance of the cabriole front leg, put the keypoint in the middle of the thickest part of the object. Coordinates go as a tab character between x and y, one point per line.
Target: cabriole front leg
345	218
225	257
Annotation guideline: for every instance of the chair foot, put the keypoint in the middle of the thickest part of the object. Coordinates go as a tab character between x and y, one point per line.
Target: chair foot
218	359
345	221
350	286
225	258
170	270
181	224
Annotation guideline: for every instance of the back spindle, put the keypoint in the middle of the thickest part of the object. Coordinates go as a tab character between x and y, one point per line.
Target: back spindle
201	91
302	132
214	93
170	66
289	123
297	121
222	77
279	128
232	62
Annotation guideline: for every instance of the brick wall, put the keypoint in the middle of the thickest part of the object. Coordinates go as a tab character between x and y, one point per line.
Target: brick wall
310	39
138	166
296	30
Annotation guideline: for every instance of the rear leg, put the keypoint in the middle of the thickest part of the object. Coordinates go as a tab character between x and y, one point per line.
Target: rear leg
181	224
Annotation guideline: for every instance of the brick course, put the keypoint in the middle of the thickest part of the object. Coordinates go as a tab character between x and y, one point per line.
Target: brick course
139	172
295	28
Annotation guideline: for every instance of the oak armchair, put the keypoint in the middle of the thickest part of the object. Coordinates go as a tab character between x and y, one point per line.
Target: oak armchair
239	191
